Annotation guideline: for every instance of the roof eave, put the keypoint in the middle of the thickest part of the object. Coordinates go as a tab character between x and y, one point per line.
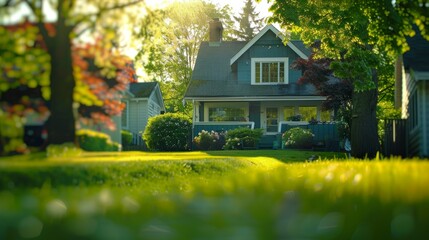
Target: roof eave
257	98
259	35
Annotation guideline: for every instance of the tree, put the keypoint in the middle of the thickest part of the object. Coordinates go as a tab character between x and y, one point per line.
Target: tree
249	22
357	36
338	92
70	22
171	40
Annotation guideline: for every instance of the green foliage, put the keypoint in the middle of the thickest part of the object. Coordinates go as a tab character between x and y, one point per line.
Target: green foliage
240	138
170	40
90	140
362	38
168	132
126	137
343	130
63	150
20	61
11	134
298	138
209	140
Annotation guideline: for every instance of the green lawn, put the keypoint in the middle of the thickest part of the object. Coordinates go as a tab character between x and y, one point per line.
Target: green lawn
270	194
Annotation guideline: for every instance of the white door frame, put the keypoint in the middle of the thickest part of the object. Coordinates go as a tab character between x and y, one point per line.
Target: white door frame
264	116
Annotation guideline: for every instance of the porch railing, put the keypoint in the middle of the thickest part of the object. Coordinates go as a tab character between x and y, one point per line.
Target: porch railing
324	133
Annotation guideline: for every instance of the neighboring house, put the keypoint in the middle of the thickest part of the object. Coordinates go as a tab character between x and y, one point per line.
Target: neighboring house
143	100
236	83
415	95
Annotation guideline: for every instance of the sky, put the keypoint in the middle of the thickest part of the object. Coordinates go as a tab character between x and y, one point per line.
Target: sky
237	5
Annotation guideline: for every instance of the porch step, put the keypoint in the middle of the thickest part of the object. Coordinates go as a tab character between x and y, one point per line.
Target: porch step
267	141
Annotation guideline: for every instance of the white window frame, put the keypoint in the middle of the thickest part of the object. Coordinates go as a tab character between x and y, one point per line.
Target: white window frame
270	60
127	108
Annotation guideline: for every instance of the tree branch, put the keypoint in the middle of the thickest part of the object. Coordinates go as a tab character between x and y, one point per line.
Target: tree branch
40	23
105	9
8	3
382	91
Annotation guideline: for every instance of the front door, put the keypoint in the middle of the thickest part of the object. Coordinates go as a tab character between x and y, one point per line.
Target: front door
272	119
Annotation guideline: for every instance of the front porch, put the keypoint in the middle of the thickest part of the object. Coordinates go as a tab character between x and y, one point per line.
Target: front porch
273	116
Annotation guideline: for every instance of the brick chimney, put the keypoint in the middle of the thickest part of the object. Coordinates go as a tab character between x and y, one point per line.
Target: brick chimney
215	31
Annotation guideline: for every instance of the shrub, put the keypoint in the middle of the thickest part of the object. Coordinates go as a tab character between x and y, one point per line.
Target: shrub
90	140
242	137
63	150
126	137
11	134
298	138
168	132
209	140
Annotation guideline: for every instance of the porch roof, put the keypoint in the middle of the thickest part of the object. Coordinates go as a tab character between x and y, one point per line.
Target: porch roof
142	89
231	88
417	57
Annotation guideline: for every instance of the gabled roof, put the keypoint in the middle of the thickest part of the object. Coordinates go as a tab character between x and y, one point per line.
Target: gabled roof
297	46
212	62
417	58
142	89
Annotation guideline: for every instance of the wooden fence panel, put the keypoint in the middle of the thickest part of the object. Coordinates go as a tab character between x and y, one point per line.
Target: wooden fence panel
395	137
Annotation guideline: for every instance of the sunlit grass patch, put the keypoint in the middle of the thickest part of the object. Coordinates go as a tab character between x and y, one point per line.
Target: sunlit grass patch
199	195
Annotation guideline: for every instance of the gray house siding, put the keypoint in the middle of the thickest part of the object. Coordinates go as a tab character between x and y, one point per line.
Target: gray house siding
425	116
146	101
416	110
267	46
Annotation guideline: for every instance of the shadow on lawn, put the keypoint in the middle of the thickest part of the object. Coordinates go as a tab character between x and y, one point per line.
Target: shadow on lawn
281	155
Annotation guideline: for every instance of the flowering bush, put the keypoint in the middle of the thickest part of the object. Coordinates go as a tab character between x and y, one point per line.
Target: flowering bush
298	138
209	140
242	137
168	132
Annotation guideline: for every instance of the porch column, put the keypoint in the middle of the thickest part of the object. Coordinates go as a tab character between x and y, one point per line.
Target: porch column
196	111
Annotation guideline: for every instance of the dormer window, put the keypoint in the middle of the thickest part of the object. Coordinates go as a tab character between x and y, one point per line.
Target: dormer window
267	71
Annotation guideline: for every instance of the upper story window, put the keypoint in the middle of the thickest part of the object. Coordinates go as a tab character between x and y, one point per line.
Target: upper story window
269	70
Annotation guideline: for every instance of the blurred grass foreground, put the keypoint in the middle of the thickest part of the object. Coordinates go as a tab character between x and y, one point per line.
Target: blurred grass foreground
212	195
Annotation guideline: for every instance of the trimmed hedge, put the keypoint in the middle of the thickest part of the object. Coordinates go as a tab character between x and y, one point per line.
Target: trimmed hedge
126	137
168	132
90	140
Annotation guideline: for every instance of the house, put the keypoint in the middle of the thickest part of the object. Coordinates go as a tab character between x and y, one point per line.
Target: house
239	83
415	95
142	101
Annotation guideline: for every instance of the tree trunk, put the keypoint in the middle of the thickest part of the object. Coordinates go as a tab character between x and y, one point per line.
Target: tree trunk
364	134
61	123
